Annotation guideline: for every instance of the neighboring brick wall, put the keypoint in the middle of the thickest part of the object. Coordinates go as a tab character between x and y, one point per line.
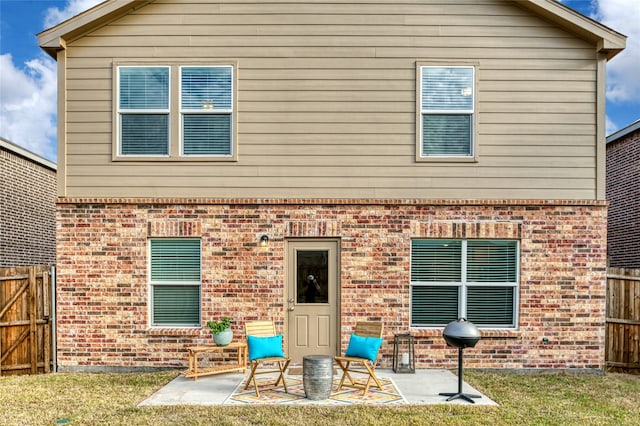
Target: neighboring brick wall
102	288
623	193
27	209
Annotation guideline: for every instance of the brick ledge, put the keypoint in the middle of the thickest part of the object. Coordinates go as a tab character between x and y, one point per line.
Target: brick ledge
325	201
485	334
159	331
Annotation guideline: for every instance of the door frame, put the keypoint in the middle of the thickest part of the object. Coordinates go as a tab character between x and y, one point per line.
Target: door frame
288	285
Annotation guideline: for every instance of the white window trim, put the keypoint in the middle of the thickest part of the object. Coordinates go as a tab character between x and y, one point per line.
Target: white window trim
419	112
463	285
214	111
153	283
120	112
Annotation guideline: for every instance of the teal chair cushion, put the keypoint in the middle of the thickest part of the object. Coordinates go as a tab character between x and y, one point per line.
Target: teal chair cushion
364	347
265	347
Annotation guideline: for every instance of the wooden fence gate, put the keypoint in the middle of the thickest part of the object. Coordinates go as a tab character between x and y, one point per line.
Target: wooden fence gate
25	320
623	320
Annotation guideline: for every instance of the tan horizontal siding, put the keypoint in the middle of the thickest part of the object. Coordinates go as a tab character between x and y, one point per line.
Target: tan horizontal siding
228	170
339	182
92	64
386	150
407	74
398	106
75	140
375	161
285	192
343	30
451	53
370	83
327	96
386	96
267	8
326	41
293	119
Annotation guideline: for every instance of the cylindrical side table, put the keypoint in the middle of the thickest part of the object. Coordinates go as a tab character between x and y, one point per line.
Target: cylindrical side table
317	376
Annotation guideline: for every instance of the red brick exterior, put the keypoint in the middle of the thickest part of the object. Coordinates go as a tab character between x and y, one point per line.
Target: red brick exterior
103	290
27	209
623	193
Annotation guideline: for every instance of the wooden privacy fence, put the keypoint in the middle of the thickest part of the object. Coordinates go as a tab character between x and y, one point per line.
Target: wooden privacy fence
25	320
623	319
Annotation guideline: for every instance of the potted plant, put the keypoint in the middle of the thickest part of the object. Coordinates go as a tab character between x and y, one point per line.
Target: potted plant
221	330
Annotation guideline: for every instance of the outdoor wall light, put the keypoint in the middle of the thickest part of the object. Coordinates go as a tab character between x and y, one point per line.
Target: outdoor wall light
264	241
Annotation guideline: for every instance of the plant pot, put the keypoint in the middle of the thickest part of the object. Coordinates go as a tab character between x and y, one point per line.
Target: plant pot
223	338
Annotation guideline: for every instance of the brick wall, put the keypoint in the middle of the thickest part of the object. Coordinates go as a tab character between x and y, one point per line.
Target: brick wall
27	209
103	290
623	193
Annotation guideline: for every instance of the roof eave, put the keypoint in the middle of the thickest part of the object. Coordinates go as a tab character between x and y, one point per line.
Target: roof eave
610	49
54	38
608	41
619	134
25	153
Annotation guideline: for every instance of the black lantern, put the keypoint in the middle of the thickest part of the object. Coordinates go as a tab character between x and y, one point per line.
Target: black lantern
404	356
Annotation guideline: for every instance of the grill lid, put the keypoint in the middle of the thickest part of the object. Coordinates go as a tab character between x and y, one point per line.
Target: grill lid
461	334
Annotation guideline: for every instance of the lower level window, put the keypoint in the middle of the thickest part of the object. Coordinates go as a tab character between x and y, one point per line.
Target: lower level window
472	279
175	277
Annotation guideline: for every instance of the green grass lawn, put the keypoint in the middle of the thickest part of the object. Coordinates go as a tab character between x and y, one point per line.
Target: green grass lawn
110	399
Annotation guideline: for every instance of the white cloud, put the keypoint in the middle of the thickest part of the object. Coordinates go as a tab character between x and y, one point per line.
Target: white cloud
623	85
610	126
29	101
28	109
54	15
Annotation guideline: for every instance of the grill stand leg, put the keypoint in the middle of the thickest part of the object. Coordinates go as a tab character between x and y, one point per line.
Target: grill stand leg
455	395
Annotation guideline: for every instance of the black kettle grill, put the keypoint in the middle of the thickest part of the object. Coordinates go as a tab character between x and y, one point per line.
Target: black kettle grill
461	334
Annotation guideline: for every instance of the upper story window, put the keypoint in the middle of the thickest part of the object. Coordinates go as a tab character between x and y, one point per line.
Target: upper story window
175	112
143	110
447	112
206	107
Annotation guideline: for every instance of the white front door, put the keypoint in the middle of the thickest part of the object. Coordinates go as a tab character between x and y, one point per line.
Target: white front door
312	298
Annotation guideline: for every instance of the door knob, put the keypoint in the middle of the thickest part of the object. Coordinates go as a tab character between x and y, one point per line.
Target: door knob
291	308
291	300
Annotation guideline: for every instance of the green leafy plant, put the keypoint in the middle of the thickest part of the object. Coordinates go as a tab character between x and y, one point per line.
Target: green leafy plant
219	326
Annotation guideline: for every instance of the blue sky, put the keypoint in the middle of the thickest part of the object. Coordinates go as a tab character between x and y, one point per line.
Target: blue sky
28	76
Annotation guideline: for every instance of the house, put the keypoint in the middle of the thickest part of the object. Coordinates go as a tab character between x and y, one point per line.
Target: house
419	161
623	194
27	207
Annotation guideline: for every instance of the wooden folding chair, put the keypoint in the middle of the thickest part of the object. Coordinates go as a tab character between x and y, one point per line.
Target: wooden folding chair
265	329
361	365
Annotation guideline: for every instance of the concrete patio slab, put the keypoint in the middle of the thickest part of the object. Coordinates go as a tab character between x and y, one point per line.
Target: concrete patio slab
423	387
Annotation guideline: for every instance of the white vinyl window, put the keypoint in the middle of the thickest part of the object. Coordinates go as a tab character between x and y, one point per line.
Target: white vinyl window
447	108
206	108
175	279
174	112
143	110
472	279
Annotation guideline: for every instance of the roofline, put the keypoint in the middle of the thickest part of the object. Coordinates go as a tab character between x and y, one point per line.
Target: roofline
624	131
23	152
55	38
607	41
